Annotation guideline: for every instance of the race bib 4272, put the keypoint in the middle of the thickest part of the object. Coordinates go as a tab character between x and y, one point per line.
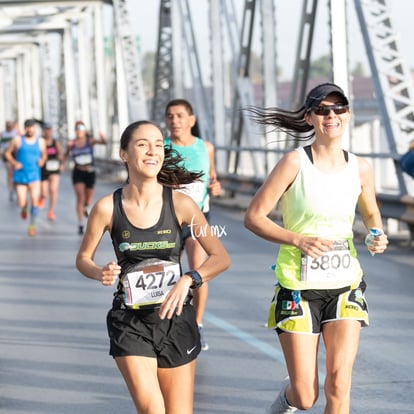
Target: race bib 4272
150	285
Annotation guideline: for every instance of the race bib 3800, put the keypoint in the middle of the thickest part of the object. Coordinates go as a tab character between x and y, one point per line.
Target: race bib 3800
334	266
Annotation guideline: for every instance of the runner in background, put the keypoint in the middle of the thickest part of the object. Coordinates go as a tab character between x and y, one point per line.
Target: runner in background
198	155
80	150
11	130
27	154
50	173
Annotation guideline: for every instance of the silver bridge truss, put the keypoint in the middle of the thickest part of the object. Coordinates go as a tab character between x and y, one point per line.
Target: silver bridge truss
56	63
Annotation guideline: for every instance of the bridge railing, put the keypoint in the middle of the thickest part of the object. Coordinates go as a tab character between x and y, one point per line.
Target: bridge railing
393	206
400	208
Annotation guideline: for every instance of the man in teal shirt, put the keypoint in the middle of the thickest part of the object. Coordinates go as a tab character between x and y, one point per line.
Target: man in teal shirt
198	156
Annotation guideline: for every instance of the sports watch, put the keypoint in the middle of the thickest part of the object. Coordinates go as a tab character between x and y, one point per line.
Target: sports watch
197	279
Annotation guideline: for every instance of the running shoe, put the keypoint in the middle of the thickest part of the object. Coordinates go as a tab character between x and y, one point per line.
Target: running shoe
80	230
280	404
51	215
41	202
23	213
31	231
204	344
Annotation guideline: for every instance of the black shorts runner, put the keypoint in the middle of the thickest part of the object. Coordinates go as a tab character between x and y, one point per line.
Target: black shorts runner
86	177
173	342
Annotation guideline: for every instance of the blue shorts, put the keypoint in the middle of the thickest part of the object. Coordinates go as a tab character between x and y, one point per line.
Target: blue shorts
26	176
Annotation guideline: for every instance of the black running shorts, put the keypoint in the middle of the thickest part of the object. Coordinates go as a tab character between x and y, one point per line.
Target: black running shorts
86	177
173	342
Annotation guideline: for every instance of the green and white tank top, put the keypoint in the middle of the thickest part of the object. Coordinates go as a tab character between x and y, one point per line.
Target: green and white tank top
321	204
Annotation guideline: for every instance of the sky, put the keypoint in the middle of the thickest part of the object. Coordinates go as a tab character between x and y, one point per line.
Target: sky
144	22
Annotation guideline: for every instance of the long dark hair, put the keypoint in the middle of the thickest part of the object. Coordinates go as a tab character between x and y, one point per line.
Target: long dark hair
172	173
291	123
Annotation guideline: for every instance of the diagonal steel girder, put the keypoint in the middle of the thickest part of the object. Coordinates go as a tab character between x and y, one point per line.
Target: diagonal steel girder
43	17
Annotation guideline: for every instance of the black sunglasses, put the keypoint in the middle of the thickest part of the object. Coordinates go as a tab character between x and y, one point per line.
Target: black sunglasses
325	110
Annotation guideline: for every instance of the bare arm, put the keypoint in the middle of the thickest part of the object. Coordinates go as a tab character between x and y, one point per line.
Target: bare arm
60	155
59	151
68	149
267	197
217	260
13	147
189	213
368	207
214	185
99	221
43	153
101	140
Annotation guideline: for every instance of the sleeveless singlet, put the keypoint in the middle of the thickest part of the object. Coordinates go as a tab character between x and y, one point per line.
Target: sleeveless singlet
195	159
82	156
133	245
28	155
52	164
320	204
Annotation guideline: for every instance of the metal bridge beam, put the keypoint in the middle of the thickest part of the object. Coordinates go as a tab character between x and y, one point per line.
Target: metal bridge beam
217	74
131	63
87	97
243	97
303	54
201	102
392	80
164	81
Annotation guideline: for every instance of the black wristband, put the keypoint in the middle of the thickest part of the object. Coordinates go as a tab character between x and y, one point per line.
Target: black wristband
197	279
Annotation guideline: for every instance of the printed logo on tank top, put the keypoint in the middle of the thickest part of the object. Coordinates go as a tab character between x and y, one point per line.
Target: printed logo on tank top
126	234
146	245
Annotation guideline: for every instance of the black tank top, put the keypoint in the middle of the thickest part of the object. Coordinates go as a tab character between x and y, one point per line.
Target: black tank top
132	244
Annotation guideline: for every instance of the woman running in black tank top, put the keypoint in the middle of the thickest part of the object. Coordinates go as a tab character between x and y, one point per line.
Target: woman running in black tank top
153	333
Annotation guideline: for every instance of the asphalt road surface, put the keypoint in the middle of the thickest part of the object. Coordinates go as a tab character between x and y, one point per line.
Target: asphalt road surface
54	347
